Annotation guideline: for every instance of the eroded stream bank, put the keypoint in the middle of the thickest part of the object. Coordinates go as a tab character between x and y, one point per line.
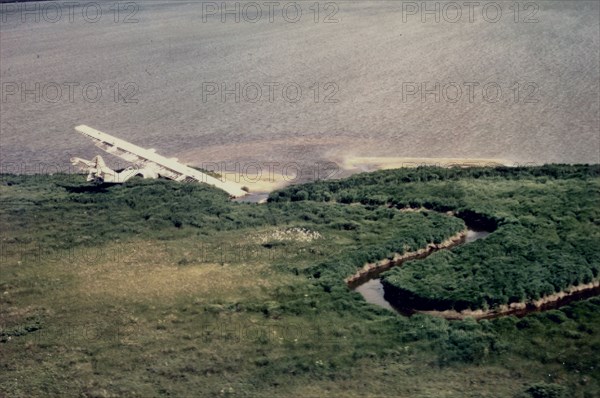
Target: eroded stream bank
367	282
520	309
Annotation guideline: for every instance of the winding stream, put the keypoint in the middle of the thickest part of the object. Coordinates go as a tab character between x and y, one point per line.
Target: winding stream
368	283
370	287
373	292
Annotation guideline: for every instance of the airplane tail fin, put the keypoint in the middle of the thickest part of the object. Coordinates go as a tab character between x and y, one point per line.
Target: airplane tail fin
99	162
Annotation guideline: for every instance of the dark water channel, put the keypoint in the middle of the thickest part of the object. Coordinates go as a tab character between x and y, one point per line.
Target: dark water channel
373	292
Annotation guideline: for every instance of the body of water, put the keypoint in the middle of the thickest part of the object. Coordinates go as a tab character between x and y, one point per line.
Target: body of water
373	292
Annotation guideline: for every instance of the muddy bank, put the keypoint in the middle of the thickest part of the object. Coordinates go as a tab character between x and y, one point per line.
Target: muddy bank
372	270
475	222
366	281
519	309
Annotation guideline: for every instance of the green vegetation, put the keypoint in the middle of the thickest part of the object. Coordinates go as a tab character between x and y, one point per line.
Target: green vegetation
546	239
155	288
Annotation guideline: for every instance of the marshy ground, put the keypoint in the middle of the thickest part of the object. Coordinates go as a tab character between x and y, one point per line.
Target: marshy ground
157	288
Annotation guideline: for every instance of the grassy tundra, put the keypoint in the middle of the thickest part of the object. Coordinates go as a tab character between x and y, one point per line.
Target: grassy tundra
155	288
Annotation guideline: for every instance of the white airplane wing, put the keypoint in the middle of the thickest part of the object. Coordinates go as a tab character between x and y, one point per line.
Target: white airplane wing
169	168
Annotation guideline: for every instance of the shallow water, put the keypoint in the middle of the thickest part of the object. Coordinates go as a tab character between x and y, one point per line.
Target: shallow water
373	292
367	57
473	235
